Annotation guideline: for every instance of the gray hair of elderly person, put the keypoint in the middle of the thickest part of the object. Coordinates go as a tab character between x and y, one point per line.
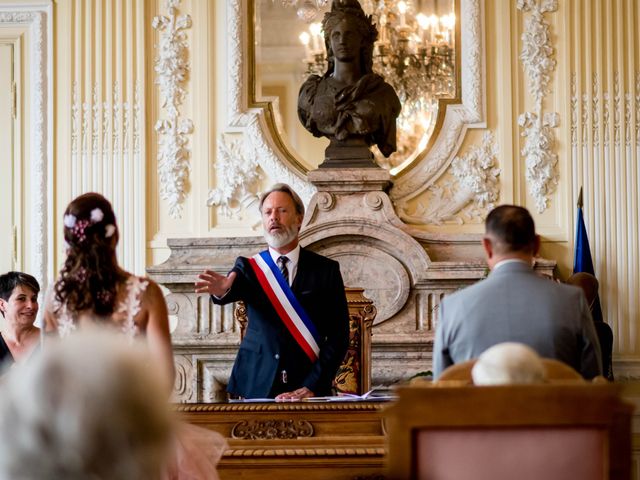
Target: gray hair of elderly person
283	187
88	407
508	363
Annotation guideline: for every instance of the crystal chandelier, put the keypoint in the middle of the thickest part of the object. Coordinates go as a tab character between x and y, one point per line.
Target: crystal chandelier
307	10
415	53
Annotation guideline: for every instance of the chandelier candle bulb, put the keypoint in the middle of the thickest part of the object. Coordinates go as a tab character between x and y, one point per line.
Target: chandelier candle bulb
423	24
433	20
316	35
402	9
304	39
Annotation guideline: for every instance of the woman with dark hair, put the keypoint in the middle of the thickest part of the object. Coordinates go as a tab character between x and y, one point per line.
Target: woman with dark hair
93	289
19	307
350	100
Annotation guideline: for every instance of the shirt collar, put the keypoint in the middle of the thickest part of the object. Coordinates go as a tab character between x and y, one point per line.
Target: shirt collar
293	256
507	261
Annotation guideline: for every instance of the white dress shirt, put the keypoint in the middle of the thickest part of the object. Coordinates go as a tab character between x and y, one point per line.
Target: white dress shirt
292	264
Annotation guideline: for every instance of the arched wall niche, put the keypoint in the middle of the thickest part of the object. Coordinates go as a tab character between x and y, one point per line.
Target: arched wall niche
255	120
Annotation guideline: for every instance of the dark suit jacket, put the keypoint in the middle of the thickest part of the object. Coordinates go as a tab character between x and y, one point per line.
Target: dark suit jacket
268	347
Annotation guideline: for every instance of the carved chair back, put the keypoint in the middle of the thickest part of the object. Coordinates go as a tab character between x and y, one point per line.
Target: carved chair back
551	431
354	374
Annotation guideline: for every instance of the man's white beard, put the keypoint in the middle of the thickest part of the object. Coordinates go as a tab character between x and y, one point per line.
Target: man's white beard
282	237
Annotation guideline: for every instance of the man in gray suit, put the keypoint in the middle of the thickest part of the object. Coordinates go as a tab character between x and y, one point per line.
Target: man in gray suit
514	304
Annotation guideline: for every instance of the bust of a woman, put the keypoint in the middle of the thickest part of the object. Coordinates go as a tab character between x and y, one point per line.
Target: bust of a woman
350	104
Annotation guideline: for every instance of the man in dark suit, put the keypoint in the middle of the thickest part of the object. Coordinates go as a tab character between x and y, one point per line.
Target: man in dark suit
514	304
293	346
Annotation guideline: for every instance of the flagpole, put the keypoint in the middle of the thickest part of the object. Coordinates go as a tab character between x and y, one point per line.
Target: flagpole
580	198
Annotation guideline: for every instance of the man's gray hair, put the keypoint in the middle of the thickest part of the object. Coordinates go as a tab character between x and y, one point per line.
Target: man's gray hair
283	187
90	406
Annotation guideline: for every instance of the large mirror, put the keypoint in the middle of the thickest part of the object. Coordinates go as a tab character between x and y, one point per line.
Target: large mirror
416	53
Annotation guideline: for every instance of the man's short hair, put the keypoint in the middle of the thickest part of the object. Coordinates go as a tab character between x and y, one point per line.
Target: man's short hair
283	187
512	228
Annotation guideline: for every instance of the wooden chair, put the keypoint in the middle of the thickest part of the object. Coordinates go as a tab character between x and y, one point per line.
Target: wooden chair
551	431
556	371
354	374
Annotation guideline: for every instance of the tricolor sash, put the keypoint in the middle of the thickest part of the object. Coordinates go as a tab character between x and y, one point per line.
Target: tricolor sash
286	304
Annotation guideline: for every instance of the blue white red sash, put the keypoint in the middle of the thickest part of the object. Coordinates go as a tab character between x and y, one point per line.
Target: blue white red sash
286	304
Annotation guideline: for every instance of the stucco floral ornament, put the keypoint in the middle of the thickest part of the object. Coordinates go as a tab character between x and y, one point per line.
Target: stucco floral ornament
541	163
172	67
468	193
239	178
538	63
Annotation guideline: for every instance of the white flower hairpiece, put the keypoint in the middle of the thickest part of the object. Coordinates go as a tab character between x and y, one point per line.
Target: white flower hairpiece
69	220
96	215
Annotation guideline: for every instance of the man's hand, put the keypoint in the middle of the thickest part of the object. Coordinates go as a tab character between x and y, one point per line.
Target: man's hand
214	284
298	394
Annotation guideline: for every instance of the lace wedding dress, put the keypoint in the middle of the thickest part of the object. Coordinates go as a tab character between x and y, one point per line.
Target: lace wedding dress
198	449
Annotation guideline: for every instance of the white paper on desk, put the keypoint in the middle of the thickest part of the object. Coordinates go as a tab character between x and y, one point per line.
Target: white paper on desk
252	400
371	395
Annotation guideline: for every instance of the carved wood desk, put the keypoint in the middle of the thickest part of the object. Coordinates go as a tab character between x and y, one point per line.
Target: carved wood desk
305	440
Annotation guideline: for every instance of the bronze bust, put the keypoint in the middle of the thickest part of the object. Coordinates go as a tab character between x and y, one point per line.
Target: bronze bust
350	104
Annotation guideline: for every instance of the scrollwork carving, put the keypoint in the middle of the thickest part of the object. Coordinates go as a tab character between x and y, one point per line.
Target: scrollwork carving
182	388
271	429
239	175
373	200
172	68
468	194
538	62
325	201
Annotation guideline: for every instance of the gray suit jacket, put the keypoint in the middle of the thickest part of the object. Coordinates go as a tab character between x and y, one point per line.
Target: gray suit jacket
514	304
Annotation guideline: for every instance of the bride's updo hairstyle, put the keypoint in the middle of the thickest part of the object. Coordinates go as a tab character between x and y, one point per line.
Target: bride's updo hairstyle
90	275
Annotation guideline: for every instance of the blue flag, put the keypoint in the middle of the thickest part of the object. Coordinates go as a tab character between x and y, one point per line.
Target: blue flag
582	261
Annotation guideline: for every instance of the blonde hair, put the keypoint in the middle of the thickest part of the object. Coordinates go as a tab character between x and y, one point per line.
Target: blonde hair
87	407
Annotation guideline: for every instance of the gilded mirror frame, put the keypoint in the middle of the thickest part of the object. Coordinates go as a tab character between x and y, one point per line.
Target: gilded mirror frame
256	119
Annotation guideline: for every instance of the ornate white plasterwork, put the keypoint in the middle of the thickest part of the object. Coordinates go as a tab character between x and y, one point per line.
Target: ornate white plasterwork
538	62
252	124
468	194
172	67
38	19
541	162
239	176
588	112
110	141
